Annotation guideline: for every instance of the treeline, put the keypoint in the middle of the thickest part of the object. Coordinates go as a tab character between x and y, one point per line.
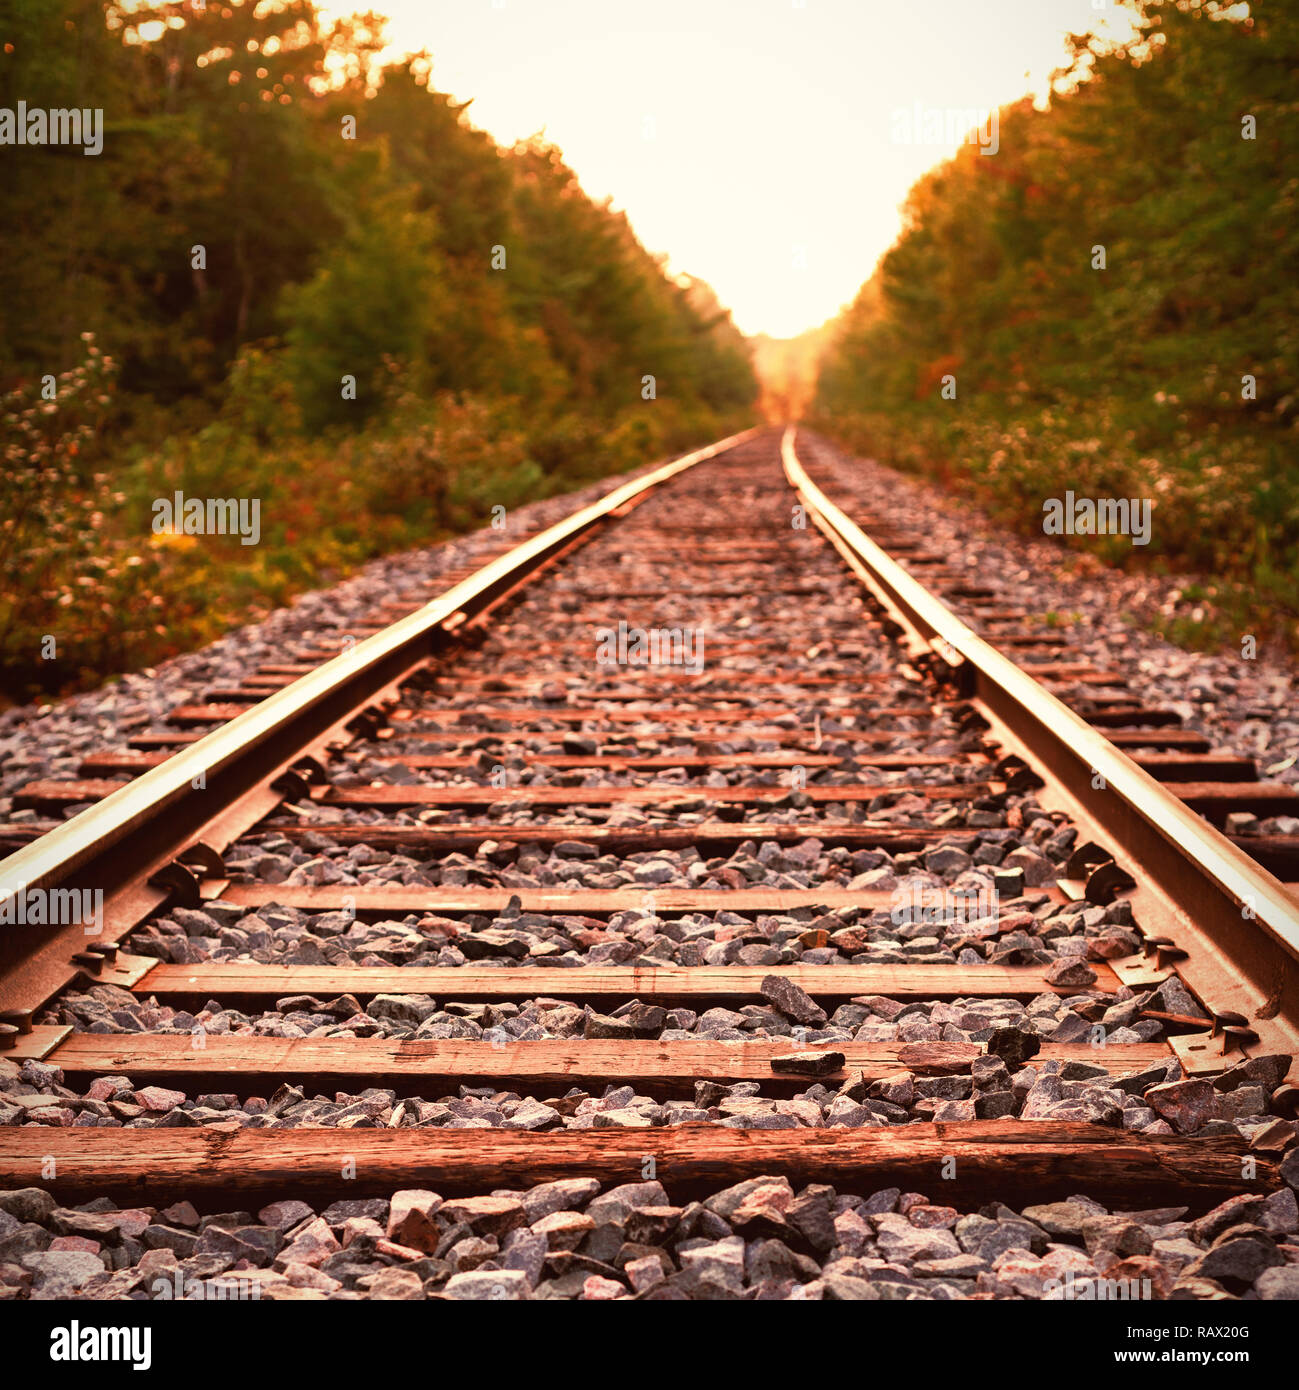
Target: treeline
296	276
1109	304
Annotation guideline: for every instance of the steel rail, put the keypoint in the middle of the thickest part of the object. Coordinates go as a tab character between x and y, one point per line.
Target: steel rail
116	844
1236	923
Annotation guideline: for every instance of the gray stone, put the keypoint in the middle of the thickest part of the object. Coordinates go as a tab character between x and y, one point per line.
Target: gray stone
647	1020
1059	1218
526	1250
720	1264
600	1026
1116	1233
622	1119
183	1214
952	1267
1235	1211
72	1268
1070	972
487	1285
811	1213
1186	1105
1172	997
846	1288
994	1105
376	1208
792	1000
486	1215
1280	1213
215	1240
1290	1168
898	1239
614	1205
1037	870
1268	1071
158	1237
1014	1046
1236	1261
772	1260
811	1062
27	1203
1243	1102
1279	1282
767	1190
26	1238
947	860
567	1194
390	1284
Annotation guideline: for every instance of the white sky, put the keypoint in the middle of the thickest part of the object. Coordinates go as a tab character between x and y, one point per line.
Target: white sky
742	136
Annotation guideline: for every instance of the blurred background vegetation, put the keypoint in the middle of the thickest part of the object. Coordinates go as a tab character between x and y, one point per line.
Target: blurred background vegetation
1125	381
323	256
372	257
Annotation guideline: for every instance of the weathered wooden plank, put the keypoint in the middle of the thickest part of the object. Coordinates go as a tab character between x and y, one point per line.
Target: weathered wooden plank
256	1065
696	762
787	738
610	762
606	796
465	737
235	694
663	714
51	793
1188	740
708	688
205	713
15	834
173	738
579	643
224	979
1048	1159
590	902
637	682
713	836
686	592
1278	854
1137	714
1215	799
99	764
1195	767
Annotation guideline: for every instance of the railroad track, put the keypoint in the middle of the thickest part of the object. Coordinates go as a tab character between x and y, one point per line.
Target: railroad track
834	890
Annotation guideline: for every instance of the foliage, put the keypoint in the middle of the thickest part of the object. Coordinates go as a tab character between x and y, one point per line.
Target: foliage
1127	380
236	256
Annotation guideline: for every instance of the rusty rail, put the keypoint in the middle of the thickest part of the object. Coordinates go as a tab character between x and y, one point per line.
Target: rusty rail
130	845
1230	924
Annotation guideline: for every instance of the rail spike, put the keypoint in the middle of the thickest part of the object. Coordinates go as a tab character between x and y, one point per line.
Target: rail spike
181	882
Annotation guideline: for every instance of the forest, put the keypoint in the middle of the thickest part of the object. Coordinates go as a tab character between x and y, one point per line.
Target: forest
295	274
1110	305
